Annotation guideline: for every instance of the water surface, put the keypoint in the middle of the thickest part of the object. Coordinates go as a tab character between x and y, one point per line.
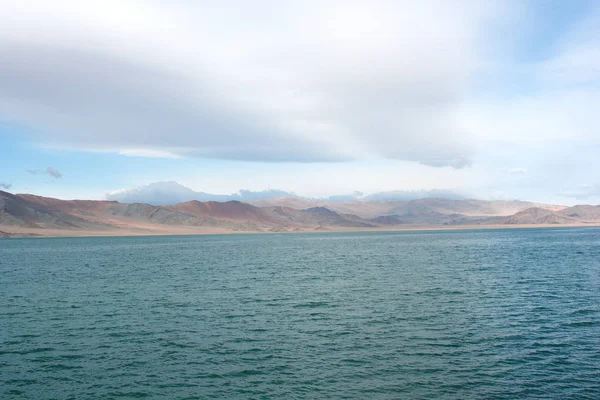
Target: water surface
452	315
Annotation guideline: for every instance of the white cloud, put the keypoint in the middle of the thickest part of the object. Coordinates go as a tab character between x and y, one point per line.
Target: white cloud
516	171
305	81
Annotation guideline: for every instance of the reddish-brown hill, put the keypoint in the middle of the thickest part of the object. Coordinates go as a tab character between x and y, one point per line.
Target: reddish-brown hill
231	210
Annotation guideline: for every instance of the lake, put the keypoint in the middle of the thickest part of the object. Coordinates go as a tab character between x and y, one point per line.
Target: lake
440	314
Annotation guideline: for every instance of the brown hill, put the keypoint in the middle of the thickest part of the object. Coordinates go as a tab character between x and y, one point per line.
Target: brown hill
426	207
40	212
26	214
387	220
231	210
536	215
582	212
37	213
469	207
325	217
291	202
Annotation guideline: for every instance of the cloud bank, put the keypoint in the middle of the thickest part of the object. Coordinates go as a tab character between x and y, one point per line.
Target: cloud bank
168	193
283	81
5	185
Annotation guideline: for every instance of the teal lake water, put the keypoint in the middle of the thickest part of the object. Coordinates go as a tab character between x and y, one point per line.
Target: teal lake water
490	314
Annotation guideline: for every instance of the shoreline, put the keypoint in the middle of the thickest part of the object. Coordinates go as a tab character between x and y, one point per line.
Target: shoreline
7	232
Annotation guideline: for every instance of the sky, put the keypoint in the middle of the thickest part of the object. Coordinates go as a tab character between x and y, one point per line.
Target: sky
492	100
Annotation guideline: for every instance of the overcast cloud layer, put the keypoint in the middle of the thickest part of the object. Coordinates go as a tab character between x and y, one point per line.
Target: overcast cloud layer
275	81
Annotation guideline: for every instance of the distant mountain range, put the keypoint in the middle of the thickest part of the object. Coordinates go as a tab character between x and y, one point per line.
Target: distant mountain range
30	215
170	193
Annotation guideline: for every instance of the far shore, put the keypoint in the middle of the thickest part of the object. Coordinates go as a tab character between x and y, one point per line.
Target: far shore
20	232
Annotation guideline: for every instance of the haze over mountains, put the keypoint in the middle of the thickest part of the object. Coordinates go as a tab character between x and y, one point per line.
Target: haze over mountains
169	193
30	215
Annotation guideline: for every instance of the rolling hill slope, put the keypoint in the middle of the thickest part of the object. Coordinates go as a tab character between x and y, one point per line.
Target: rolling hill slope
22	214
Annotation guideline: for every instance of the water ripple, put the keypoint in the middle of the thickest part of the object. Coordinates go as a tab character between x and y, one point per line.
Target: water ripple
455	315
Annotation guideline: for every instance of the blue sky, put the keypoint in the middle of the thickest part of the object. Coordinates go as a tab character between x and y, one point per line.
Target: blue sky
489	99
